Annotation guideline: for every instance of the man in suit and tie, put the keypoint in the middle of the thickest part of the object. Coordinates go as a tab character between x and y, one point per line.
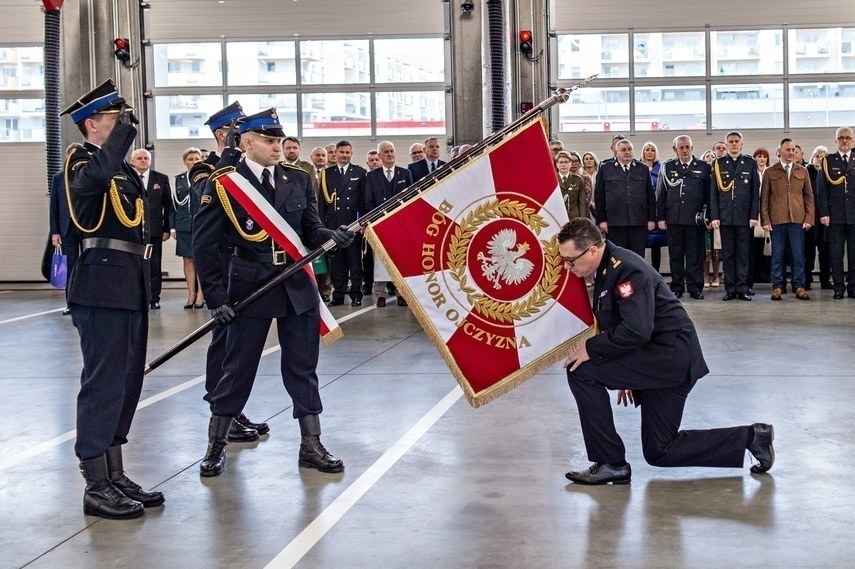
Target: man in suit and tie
63	233
836	195
294	303
381	185
159	206
734	208
340	204
625	200
429	163
787	211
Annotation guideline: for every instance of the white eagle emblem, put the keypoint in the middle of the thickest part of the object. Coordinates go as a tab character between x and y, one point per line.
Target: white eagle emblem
506	260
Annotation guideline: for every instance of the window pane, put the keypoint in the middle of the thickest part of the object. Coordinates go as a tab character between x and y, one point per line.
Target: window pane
334	61
826	50
822	104
748	106
183	116
182	64
670	108
336	114
670	55
747	52
285	105
22	120
410	112
21	68
595	110
261	63
581	55
409	60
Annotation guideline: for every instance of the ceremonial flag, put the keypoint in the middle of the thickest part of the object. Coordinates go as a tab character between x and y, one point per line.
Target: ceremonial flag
263	212
477	259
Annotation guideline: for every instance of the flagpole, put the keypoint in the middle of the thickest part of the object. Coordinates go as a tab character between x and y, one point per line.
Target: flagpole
558	96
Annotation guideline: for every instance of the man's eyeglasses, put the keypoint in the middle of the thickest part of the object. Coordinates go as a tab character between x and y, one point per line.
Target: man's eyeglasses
571	262
844	138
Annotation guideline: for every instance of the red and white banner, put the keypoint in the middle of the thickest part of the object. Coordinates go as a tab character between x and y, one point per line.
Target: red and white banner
476	257
263	212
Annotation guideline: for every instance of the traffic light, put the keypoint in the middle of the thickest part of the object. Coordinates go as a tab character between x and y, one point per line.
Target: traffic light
123	49
525	42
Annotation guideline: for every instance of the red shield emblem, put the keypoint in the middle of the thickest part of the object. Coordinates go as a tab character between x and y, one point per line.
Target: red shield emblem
625	289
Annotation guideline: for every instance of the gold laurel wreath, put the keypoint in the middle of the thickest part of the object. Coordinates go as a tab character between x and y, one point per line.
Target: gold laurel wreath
459	244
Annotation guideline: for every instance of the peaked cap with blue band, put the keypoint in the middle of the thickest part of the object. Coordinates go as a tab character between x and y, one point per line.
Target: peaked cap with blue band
223	117
101	99
265	123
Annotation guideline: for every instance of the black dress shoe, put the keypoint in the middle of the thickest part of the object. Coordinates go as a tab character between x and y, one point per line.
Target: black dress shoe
743	296
697	295
678	294
838	294
240	432
116	470
761	447
260	428
336	302
599	473
101	498
728	296
155	306
314	455
66	311
188	306
356	302
215	457
750	292
325	297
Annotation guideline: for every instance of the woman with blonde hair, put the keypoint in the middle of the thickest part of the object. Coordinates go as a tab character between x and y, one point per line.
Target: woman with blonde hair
590	164
185	205
656	238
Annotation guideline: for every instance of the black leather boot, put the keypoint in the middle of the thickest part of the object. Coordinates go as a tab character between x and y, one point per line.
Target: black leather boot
312	452
241	433
103	499
218	438
261	428
116	471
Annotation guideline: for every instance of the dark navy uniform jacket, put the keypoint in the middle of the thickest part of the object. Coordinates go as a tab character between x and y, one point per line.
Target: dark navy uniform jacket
836	201
740	204
641	321
378	189
345	193
105	277
683	192
625	199
294	199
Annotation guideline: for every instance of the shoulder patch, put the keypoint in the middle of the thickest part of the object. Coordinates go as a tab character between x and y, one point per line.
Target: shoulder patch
205	199
625	289
615	262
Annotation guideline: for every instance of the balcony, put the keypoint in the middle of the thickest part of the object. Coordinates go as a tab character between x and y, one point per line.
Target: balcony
690	53
737	52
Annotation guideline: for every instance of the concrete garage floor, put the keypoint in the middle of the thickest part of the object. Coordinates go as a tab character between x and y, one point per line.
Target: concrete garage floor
479	488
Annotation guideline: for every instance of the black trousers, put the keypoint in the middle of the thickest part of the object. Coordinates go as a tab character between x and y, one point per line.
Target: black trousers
214	360
662	403
686	250
759	265
244	343
113	342
347	265
629	237
814	244
71	250
735	242
156	264
842	236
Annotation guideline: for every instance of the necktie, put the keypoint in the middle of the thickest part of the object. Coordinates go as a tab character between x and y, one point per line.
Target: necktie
144	178
433	167
685	167
563	180
389	175
626	168
341	170
845	161
265	181
787	169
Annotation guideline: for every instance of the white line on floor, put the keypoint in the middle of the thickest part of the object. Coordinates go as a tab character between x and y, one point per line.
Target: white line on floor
32	315
294	551
56	441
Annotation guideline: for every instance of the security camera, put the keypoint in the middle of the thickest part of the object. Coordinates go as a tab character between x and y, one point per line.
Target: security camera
467	6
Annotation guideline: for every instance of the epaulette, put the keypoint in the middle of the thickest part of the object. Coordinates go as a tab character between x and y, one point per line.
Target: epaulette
293	167
615	262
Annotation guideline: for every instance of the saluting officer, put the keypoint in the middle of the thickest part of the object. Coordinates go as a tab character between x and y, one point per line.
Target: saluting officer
684	190
836	206
734	209
243	430
109	297
625	199
647	349
294	304
340	203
